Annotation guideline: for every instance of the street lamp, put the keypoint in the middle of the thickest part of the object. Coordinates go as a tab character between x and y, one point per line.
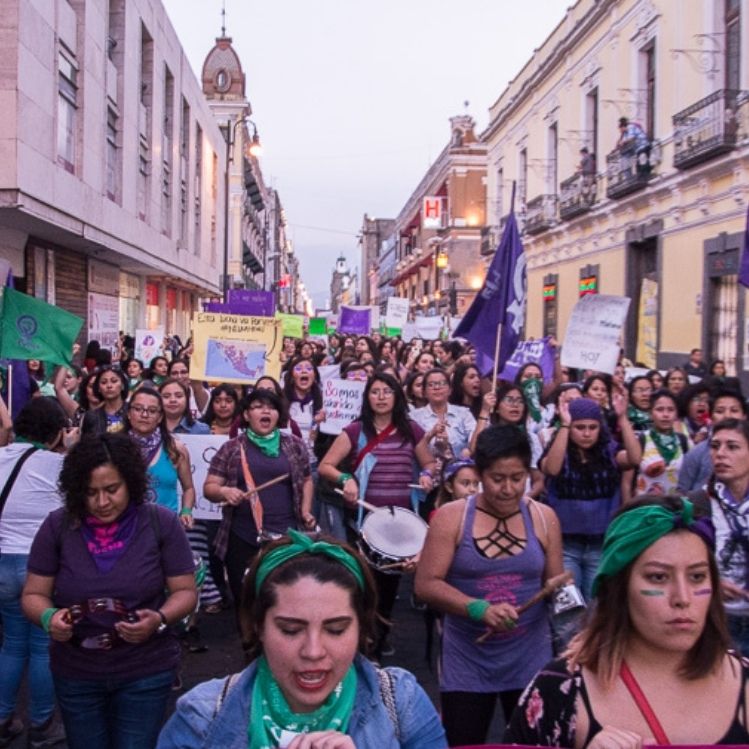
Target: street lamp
230	134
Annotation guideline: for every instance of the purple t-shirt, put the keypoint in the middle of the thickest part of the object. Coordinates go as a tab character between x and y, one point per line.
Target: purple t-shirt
157	550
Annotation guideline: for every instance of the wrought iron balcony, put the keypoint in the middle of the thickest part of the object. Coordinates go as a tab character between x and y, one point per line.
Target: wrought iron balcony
628	172
488	240
577	195
540	214
708	128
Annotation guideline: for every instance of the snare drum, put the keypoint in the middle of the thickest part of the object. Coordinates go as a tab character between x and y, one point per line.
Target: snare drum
391	535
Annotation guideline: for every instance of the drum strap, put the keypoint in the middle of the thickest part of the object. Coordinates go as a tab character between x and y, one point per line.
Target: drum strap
372	444
255	504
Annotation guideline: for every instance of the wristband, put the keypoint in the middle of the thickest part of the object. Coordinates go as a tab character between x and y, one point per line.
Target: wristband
186	511
477	608
483	418
46	617
426	472
343	478
564	426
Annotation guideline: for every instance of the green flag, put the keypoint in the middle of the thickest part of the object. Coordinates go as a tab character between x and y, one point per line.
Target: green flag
33	329
317	326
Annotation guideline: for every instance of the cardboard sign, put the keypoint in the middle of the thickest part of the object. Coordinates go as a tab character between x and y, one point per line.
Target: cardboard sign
342	400
329	371
594	331
429	328
202	448
235	348
291	325
104	320
148	344
253	302
318	326
396	315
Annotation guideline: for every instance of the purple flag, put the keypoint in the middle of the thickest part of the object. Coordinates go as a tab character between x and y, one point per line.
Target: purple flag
744	270
21	385
355	321
233	308
262	303
501	300
536	352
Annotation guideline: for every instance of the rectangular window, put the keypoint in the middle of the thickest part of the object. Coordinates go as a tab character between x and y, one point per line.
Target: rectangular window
166	154
499	210
591	123
198	187
551	283
523	177
144	168
733	44
112	154
67	106
214	205
552	179
649	54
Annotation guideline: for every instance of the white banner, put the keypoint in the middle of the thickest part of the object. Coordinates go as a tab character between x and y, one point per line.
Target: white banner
429	328
396	315
148	344
594	331
342	401
202	448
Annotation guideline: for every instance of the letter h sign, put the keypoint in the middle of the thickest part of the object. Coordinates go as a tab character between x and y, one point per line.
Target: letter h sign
431	212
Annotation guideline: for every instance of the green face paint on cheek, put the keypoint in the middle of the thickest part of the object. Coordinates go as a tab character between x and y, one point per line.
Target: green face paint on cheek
651	592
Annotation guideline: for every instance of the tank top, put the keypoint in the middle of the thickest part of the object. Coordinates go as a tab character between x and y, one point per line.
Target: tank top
507	660
162	481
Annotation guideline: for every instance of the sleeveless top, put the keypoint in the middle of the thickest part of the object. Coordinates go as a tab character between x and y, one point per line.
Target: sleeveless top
162	481
507	660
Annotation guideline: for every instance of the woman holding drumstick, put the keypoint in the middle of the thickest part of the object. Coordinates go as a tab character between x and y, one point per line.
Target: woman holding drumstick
483	558
261	454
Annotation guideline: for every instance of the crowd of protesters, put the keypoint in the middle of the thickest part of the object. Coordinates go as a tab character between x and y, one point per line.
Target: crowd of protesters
635	483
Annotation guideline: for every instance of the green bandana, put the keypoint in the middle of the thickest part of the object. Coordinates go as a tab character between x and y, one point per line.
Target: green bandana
301	544
632	532
639	419
667	444
270	714
270	445
532	391
37	445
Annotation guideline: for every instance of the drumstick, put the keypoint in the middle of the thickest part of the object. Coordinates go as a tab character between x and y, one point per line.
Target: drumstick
276	480
365	505
552	584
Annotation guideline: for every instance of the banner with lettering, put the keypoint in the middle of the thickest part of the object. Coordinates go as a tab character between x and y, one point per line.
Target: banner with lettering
538	352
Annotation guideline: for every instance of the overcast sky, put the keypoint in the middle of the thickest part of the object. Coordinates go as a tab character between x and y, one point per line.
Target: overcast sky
352	98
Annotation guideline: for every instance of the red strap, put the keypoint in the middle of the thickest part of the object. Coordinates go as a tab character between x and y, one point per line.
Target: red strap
383	435
643	705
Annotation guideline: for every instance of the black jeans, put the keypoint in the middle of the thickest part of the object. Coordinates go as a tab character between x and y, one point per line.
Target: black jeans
239	556
467	716
387	590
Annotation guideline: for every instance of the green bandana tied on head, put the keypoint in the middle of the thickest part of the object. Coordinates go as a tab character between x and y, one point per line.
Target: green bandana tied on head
269	445
301	544
532	391
270	714
632	532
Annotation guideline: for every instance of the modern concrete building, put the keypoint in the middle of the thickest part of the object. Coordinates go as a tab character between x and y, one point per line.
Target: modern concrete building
659	219
111	164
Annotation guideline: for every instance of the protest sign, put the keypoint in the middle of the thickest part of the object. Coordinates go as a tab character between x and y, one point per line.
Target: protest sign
148	344
342	400
396	315
254	302
593	332
235	348
355	320
409	332
291	325
318	326
104	320
329	371
202	448
429	328
530	352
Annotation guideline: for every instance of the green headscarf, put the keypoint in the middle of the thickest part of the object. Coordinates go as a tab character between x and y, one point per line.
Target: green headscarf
632	532
269	445
270	714
301	544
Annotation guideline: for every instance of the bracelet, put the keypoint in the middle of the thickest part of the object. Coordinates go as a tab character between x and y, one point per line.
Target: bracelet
186	511
426	472
482	418
564	426
343	478
477	608
46	617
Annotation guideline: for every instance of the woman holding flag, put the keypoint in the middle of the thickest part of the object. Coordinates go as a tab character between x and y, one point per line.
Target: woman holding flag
263	479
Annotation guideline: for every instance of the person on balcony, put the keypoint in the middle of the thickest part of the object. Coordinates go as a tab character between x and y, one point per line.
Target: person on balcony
634	143
587	166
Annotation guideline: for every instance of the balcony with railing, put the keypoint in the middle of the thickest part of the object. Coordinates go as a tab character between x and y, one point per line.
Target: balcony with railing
630	171
709	128
577	195
540	214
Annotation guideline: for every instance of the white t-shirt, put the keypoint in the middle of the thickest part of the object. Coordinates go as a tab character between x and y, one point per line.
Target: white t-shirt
33	496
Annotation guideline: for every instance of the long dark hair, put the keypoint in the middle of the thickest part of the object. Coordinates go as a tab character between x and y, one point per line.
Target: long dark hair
187	415
399	417
457	396
288	385
166	436
223	389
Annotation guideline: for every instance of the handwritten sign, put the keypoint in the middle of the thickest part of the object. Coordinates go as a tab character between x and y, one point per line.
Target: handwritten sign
202	448
292	325
594	331
396	315
429	328
342	401
235	348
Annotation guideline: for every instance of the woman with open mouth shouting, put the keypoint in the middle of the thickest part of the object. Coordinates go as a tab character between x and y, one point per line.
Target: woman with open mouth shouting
303	392
263	478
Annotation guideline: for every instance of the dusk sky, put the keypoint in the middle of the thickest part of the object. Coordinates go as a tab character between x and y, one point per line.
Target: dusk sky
352	99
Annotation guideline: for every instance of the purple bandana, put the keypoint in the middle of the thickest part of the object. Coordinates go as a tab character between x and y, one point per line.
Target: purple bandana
107	542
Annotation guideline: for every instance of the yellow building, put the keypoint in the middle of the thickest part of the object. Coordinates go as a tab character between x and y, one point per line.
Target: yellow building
656	213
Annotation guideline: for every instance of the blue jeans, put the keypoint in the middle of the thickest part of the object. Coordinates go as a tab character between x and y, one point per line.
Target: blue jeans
332	520
581	557
114	713
24	644
738	626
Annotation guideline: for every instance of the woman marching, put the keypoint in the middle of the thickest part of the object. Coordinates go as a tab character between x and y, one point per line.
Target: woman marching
652	665
484	556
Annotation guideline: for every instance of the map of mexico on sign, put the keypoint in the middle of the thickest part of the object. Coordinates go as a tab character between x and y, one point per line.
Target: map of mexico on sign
594	331
235	348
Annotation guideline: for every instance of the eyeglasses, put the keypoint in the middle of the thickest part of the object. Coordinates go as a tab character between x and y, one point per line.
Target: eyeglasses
436	385
642	391
384	393
511	400
262	407
144	411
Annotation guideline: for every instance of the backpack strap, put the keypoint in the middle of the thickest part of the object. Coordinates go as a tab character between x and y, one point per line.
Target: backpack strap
387	692
13	476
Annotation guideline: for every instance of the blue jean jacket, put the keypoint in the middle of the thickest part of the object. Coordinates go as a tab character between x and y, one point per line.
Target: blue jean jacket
195	724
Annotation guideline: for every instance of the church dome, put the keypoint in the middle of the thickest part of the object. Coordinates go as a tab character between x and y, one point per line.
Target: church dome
222	76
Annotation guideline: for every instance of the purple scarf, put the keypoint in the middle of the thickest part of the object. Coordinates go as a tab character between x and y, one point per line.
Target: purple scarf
148	445
107	542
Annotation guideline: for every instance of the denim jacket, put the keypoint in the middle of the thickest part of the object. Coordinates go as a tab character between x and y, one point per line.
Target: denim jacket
195	724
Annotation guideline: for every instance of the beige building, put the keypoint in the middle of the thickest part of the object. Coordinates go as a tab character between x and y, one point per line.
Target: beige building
111	190
439	229
656	215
